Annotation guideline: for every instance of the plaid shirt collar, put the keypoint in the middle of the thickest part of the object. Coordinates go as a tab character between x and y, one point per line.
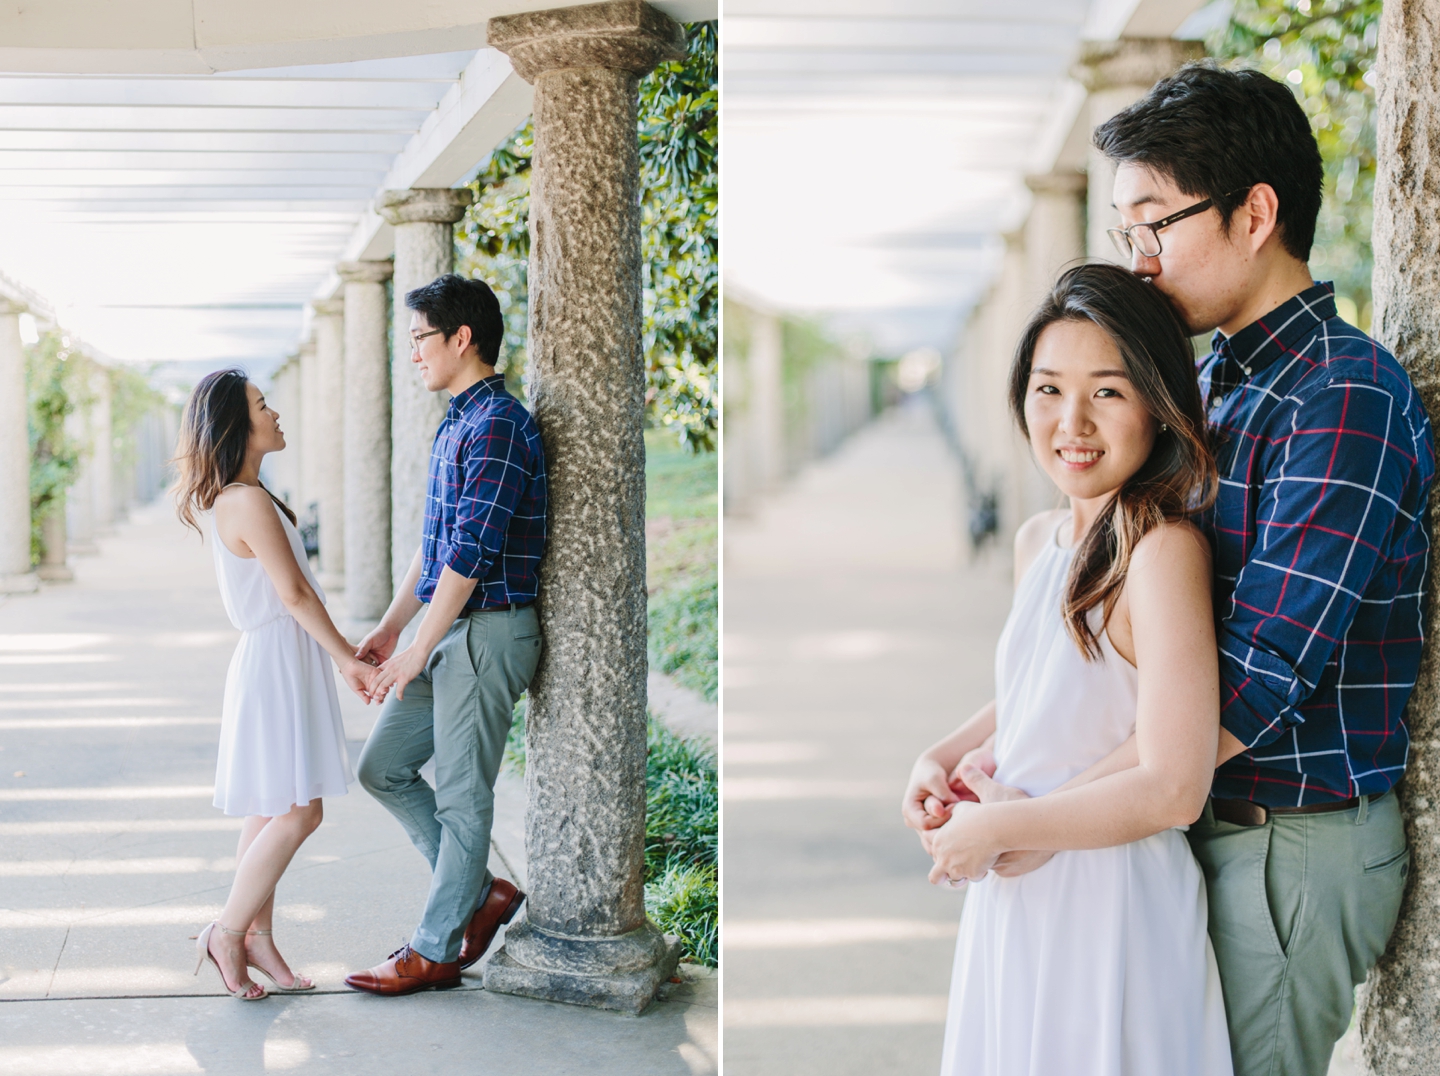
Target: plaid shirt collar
486	386
1264	340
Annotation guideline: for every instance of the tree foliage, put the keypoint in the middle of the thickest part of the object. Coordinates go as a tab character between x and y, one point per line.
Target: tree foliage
678	142
54	382
1325	51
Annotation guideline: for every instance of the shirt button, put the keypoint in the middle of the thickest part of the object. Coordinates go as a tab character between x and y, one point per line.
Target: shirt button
1246	369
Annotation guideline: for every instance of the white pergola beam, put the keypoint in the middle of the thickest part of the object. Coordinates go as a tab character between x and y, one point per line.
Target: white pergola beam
204	36
475	116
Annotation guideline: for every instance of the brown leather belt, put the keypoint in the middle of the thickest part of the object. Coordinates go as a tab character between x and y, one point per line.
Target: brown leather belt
1245	813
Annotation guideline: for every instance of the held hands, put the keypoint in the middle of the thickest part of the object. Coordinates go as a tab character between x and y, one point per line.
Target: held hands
378	645
399	671
961	846
360	678
929	783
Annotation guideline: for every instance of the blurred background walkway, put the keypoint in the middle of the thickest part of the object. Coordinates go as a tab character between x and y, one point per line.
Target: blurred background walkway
110	692
854	637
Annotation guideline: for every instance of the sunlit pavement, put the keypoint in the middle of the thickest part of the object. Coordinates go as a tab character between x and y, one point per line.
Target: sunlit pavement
111	855
854	637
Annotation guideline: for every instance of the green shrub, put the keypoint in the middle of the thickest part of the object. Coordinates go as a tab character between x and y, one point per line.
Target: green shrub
515	741
685	901
684	639
682	804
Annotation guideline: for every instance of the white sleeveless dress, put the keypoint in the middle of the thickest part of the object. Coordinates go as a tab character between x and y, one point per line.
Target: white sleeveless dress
1098	963
282	742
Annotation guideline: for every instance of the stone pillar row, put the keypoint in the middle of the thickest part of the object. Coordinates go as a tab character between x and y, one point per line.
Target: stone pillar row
16	575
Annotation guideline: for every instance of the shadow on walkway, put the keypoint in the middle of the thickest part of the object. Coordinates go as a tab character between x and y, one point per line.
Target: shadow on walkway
111	854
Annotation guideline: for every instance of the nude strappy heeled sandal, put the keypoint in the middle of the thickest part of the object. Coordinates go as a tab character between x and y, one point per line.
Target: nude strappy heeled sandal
202	945
295	977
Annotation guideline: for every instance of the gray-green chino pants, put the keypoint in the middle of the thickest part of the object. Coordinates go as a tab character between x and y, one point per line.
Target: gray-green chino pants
458	710
1300	909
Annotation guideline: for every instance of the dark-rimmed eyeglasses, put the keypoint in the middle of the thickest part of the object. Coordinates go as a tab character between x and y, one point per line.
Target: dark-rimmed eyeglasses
415	338
1144	238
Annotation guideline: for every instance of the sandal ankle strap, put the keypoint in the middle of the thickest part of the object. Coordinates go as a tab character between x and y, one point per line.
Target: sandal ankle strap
226	930
263	933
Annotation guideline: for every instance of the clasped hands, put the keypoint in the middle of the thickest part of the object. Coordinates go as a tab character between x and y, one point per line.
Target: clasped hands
376	668
947	809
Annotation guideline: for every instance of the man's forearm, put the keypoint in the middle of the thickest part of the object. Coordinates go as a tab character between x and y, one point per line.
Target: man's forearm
404	605
452	591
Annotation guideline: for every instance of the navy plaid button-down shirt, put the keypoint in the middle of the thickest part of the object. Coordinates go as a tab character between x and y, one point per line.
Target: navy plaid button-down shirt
1326	458
486	500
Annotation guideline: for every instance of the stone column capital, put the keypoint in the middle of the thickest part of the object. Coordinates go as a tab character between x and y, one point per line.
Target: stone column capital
1132	61
624	35
329	308
376	272
429	205
1057	183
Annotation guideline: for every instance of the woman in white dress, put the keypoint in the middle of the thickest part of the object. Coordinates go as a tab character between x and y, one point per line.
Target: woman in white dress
1082	946
282	744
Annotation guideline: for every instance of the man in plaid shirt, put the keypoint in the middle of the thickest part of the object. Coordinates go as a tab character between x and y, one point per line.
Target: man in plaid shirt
1326	459
455	686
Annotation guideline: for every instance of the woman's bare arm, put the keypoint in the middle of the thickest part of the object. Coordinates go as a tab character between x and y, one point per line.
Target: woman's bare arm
1176	737
249	525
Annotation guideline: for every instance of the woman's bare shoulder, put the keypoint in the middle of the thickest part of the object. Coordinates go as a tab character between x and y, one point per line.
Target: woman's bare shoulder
240	500
1170	547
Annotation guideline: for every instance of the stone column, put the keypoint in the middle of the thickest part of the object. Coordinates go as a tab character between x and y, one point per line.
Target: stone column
54	564
585	937
329	438
80	500
102	451
309	415
367	445
424	221
1400	1004
1054	232
1117	74
16	576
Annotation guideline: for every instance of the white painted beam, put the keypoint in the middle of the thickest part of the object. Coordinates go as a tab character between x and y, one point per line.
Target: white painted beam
474	117
185	37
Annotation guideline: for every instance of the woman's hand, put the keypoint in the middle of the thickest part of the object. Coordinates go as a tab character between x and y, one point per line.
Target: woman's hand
927	797
360	677
1014	863
378	645
962	847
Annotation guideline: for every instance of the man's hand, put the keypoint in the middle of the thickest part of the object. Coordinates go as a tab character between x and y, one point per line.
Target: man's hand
927	797
378	645
399	671
1014	863
982	759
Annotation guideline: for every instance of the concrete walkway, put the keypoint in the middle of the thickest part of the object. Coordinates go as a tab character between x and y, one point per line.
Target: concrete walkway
110	855
854	637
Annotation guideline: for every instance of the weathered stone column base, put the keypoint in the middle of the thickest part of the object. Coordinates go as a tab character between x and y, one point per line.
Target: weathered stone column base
332	583
622	973
28	583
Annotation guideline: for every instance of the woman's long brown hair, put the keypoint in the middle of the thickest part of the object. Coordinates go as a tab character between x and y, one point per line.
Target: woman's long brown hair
1178	479
214	434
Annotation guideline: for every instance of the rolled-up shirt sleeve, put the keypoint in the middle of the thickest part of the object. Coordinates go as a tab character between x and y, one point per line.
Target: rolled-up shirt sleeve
1332	496
491	479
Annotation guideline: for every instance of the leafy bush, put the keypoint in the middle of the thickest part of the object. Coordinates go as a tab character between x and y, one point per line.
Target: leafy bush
684	901
682	803
684	642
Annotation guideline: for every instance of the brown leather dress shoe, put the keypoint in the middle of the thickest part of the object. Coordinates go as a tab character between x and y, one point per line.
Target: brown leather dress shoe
405	973
501	904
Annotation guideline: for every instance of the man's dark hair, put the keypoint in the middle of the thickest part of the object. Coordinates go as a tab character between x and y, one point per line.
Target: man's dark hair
451	301
1216	133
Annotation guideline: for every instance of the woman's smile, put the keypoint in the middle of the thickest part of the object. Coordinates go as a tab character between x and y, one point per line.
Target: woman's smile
1079	458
